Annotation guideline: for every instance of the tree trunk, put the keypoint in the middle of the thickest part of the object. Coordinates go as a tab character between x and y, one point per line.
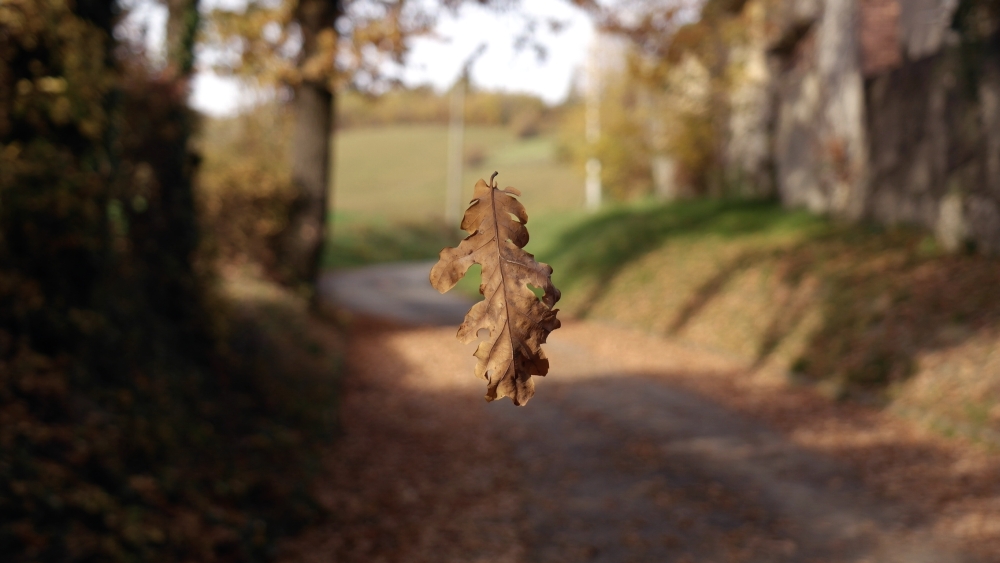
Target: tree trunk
301	243
164	231
302	240
183	20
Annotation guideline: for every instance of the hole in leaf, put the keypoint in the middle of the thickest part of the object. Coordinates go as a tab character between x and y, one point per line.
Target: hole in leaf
539	292
483	333
470	284
514	217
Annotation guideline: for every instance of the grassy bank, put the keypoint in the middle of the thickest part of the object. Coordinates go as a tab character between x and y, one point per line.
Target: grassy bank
879	315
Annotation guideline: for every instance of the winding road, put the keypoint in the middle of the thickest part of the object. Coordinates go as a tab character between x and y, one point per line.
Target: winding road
629	451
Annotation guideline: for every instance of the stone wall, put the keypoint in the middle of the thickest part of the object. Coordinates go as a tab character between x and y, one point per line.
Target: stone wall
876	110
819	135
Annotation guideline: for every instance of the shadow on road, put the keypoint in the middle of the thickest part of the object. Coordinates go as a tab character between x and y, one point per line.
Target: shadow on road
629	467
602	465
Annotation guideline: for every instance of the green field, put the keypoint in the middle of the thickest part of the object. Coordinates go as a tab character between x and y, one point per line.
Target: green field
399	172
390	183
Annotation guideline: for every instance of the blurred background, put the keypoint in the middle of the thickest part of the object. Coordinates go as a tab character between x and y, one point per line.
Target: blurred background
813	187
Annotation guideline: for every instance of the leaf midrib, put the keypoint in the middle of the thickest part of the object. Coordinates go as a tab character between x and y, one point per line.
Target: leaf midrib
503	280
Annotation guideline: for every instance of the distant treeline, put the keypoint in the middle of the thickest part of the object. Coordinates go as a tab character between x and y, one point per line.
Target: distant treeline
526	113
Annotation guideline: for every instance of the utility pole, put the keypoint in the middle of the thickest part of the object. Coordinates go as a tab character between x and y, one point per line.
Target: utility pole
456	132
662	164
593	130
456	129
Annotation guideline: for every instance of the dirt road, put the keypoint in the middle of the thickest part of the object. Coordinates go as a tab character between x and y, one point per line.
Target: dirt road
634	448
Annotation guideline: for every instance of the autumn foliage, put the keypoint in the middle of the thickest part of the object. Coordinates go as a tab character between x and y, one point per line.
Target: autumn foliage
132	426
518	322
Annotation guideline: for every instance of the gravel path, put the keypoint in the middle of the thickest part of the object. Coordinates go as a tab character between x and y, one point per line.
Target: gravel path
394	293
633	449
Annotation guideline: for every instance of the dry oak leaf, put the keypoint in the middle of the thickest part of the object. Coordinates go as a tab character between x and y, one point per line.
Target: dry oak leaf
518	322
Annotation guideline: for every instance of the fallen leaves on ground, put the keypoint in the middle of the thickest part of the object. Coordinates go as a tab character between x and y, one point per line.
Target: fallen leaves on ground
416	475
424	472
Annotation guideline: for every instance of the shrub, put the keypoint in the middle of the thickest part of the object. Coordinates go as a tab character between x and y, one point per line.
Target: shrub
126	431
244	188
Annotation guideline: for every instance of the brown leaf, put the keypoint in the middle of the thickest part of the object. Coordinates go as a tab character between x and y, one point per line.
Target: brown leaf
518	322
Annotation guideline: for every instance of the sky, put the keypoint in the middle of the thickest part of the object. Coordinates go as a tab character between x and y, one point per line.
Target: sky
432	60
502	67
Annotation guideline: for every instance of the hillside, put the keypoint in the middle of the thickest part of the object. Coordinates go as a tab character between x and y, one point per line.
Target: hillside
877	315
